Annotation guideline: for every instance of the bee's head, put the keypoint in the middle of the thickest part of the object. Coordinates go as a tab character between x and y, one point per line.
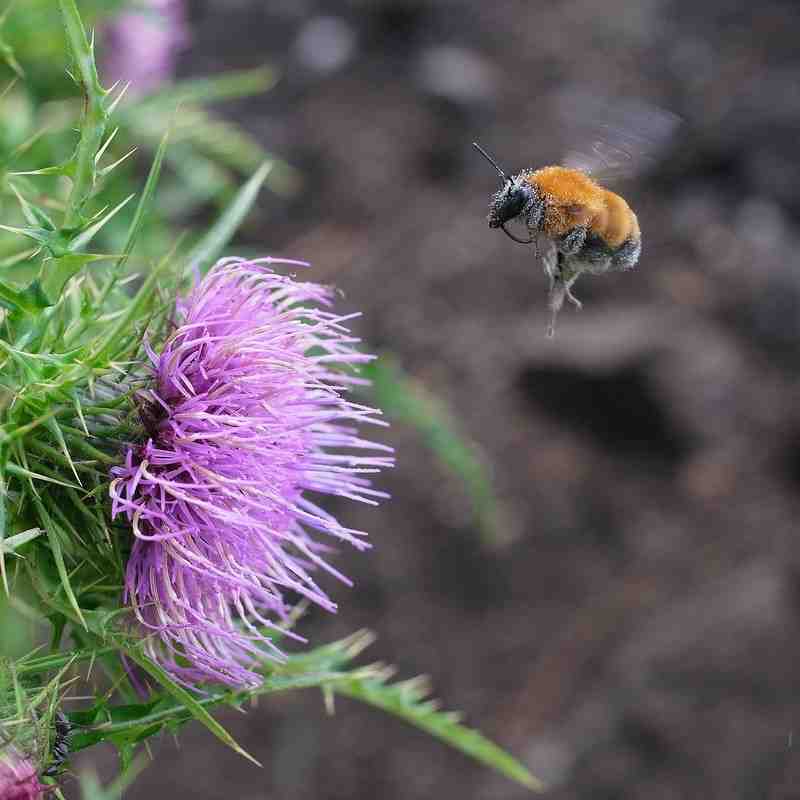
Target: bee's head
515	197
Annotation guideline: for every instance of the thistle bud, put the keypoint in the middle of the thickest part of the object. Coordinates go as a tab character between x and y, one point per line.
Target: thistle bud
18	777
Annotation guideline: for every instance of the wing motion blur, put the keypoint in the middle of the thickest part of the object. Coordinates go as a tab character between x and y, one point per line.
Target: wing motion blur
612	139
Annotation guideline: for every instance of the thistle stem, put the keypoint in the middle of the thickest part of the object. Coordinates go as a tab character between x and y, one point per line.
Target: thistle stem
95	116
182	713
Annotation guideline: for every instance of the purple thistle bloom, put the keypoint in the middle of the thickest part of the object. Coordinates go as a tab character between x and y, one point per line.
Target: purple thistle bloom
141	45
245	417
18	778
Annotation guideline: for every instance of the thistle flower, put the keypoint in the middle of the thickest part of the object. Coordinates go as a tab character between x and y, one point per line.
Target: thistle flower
246	416
18	778
142	44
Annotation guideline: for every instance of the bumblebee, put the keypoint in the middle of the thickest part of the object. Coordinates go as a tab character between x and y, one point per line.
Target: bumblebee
588	228
585	227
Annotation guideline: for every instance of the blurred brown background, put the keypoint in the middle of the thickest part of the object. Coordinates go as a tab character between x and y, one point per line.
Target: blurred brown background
634	631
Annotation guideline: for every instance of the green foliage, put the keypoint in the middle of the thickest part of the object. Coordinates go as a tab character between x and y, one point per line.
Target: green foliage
408	701
72	330
38	154
327	668
67	336
28	707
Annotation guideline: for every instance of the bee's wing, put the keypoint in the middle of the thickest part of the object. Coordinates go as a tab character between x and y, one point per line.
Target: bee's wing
612	139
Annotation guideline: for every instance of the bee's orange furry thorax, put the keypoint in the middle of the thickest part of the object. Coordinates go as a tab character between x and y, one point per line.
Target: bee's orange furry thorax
568	187
573	198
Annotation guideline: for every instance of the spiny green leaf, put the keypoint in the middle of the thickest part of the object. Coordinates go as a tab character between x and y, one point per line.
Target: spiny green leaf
13	543
51	528
320	668
23	472
142	210
111	167
406	700
56	169
55	429
225	143
29	300
207	90
110	341
83	238
24	255
189	701
327	658
41	235
57	271
95	116
126	723
110	138
32	213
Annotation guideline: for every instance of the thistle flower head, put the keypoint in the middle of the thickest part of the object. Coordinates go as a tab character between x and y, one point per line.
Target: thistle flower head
143	44
18	778
246	418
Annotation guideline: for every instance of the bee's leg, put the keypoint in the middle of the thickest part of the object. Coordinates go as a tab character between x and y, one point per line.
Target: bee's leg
551	261
561	282
571	297
572	243
626	256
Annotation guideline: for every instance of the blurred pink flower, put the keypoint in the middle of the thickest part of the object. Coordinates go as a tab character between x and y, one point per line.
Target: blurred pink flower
142	43
18	778
248	423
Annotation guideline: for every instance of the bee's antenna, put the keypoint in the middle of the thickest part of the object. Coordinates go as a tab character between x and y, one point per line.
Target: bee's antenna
491	161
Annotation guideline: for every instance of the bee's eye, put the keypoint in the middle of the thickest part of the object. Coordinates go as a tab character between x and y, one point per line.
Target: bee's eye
508	203
513	202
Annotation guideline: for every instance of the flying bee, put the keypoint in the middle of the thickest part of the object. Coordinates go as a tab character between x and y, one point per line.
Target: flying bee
585	227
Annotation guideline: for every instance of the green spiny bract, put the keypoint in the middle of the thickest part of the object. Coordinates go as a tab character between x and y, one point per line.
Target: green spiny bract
70	341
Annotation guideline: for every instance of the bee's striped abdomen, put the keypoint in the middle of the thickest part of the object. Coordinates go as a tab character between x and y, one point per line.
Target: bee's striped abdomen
616	223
